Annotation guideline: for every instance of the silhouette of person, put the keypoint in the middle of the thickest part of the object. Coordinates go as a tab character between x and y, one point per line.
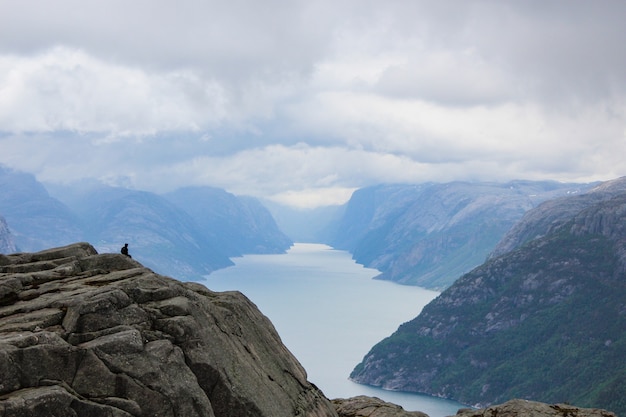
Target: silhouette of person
125	250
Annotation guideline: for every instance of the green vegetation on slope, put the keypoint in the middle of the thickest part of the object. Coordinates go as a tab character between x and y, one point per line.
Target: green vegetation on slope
546	322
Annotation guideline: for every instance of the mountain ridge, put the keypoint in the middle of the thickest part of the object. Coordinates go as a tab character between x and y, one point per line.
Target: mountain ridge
429	234
546	320
36	219
168	236
552	213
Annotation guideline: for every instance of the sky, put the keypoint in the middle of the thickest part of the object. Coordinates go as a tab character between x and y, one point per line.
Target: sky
302	102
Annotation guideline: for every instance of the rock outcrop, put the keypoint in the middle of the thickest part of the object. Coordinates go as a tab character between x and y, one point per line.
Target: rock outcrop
364	406
515	408
93	334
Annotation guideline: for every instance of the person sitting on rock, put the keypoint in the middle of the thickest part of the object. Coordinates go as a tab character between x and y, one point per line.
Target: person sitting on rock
125	250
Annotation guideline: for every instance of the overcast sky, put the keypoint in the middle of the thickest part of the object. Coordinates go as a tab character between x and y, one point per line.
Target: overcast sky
304	101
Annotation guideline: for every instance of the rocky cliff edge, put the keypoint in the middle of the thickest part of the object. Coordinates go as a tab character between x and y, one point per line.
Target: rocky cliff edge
93	334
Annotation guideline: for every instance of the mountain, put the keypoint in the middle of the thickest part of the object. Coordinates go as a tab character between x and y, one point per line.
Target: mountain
546	320
190	232
429	234
159	234
6	239
553	214
239	225
36	219
88	334
306	225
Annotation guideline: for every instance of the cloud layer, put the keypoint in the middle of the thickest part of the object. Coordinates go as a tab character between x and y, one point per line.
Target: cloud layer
303	102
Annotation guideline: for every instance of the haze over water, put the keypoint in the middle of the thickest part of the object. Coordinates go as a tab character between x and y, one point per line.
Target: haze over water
329	312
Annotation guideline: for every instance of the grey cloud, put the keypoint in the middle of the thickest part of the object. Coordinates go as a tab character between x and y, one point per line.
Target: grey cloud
225	39
557	49
289	98
447	79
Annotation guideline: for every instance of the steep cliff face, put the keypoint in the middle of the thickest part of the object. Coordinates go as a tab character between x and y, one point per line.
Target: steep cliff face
241	225
100	335
546	321
553	213
430	234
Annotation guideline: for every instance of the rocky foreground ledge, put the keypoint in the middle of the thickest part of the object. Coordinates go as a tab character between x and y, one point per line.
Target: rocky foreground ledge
100	335
87	334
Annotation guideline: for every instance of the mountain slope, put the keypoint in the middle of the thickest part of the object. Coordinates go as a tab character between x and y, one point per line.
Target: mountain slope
545	321
553	213
36	219
239	225
191	233
6	239
430	234
160	235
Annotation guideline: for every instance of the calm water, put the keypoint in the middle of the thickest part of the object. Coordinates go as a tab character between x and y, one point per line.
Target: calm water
329	312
